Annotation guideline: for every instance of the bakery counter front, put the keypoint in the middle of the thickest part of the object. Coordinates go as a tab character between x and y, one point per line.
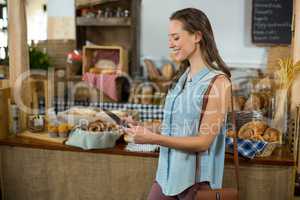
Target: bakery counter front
33	169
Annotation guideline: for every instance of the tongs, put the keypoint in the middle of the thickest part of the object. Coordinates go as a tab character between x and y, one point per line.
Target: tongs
116	118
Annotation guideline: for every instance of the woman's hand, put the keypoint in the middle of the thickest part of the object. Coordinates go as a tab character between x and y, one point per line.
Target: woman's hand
129	120
140	134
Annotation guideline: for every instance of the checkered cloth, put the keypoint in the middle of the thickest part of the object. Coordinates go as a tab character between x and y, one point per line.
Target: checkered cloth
146	112
246	148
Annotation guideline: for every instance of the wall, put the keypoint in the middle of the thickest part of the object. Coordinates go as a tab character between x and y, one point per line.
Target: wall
36	20
231	21
61	22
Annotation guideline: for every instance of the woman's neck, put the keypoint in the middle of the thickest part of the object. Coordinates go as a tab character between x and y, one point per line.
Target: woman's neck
196	62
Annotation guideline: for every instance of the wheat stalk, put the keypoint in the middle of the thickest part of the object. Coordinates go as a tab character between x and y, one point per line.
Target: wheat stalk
287	72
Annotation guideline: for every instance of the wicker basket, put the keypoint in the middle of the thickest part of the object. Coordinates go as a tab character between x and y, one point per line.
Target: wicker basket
268	150
243	117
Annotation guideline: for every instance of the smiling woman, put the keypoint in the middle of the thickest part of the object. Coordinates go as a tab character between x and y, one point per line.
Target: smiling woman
186	130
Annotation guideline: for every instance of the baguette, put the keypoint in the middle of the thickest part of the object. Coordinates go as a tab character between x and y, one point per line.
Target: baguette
153	72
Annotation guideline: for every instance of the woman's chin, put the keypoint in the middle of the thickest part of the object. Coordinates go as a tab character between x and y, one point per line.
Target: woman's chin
179	58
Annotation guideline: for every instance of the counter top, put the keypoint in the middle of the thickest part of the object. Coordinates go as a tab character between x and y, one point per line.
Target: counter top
280	156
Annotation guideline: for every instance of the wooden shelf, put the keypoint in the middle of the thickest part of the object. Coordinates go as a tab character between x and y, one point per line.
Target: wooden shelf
4	83
75	78
113	21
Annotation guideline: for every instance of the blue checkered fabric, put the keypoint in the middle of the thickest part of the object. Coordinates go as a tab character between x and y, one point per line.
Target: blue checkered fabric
246	148
146	112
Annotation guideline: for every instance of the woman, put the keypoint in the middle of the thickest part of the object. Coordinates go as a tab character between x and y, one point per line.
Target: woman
192	42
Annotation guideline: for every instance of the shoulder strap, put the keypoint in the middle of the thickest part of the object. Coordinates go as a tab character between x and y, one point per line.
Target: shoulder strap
233	121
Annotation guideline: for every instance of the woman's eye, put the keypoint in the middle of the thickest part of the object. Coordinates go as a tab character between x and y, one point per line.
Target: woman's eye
176	38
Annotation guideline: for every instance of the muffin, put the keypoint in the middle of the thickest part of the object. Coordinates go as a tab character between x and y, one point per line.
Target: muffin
63	130
52	131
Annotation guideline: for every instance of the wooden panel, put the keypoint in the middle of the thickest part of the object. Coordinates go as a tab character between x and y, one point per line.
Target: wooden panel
262	182
41	136
280	157
36	174
4	83
18	53
112	21
4	120
295	97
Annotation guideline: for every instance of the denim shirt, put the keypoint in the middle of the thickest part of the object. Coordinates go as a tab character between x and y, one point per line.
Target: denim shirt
176	168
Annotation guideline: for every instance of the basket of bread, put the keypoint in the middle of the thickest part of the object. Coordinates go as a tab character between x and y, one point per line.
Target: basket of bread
257	132
82	115
95	135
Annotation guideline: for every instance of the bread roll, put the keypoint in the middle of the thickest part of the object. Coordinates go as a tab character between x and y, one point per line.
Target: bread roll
271	135
230	133
253	103
253	130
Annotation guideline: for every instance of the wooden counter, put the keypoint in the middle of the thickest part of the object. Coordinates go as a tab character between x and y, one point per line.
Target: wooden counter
281	156
33	169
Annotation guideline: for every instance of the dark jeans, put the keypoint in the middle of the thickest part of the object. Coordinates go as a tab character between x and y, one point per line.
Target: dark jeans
188	194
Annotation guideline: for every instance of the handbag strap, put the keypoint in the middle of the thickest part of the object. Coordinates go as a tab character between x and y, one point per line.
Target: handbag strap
233	121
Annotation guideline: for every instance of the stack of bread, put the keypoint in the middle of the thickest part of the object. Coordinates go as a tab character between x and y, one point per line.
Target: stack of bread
257	131
100	126
256	101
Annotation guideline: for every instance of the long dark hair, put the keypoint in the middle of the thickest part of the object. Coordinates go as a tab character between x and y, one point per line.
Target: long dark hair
194	20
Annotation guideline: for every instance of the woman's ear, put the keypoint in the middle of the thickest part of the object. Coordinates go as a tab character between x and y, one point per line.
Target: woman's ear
198	36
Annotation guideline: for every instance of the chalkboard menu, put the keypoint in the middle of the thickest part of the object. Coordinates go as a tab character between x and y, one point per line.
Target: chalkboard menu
271	21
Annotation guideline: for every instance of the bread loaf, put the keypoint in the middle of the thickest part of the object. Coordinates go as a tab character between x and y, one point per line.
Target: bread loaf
253	103
153	72
271	135
252	130
167	71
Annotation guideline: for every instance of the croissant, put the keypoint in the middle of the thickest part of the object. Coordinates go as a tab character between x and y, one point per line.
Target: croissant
271	135
252	130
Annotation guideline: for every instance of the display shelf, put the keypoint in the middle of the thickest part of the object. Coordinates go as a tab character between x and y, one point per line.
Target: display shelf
113	21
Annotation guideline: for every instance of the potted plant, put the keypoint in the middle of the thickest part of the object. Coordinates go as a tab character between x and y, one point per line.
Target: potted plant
38	59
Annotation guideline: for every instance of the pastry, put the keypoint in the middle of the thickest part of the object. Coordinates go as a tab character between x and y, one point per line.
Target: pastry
253	103
63	128
230	133
100	126
271	135
252	130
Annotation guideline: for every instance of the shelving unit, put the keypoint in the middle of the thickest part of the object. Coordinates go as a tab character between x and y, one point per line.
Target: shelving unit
113	21
112	31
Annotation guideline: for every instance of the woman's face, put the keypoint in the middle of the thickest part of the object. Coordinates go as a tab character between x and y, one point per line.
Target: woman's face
181	42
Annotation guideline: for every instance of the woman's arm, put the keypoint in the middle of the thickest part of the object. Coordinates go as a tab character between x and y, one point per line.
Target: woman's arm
213	118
